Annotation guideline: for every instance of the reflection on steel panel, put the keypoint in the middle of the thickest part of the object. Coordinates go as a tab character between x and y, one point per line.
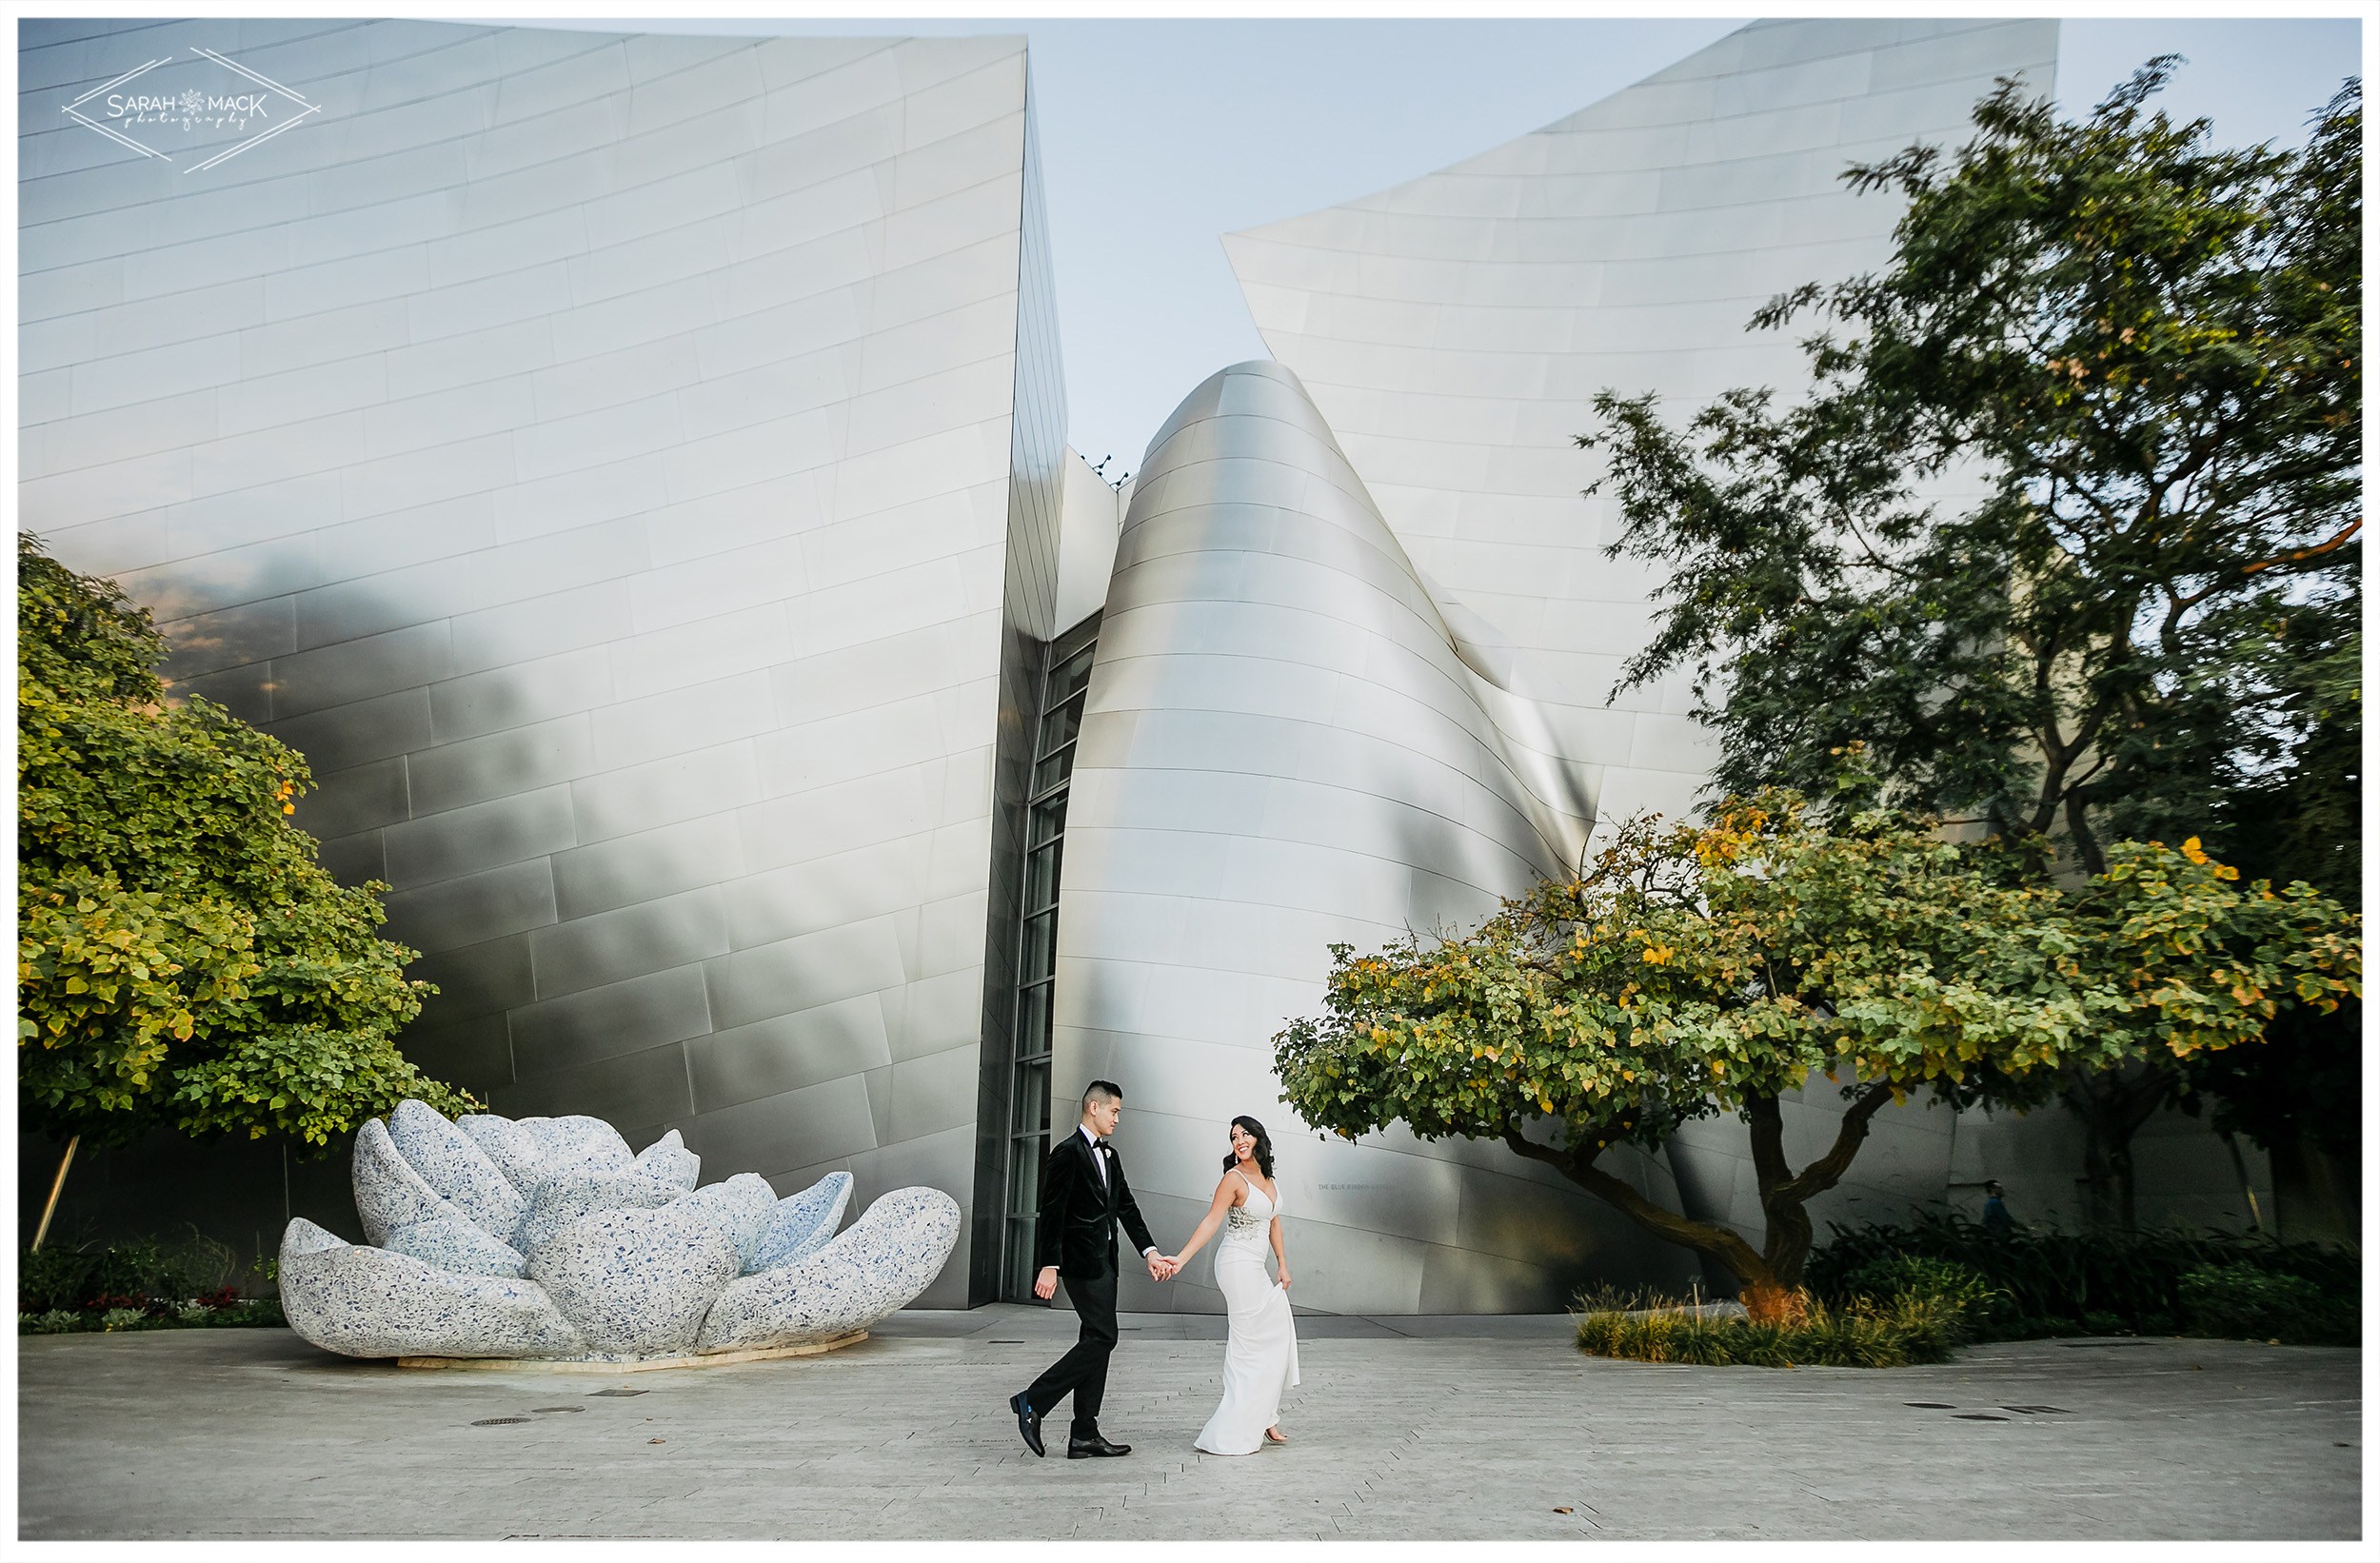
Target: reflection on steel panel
1453	329
1228	653
633	470
508	438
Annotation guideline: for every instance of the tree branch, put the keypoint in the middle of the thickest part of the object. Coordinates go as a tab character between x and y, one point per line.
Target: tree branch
1741	1259
2261	566
1827	1169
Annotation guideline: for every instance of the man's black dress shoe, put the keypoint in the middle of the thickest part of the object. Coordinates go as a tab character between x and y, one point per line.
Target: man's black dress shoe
1028	1423
1094	1448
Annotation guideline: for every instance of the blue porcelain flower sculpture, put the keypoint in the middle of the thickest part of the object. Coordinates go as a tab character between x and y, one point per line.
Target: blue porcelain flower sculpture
545	1238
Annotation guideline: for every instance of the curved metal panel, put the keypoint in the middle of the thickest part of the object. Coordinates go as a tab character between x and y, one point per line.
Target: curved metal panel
601	455
1453	329
1285	743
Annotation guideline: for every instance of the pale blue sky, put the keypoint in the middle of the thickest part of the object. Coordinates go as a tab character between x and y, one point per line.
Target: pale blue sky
1160	136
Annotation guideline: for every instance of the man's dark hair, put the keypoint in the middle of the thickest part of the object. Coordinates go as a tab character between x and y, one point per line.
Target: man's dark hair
1101	1091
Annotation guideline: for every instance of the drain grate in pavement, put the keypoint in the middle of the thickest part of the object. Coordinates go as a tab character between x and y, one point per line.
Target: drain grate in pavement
500	1421
1979	1417
622	1392
557	1408
2040	1411
1008	1342
2098	1345
1930	1405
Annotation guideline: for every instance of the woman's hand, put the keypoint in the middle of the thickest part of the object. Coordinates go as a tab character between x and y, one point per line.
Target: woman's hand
1284	1277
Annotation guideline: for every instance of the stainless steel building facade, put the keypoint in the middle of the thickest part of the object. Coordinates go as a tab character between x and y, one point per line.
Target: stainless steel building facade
627	467
631	469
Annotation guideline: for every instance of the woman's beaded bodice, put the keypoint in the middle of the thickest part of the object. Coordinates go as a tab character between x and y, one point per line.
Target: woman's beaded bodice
1247	1224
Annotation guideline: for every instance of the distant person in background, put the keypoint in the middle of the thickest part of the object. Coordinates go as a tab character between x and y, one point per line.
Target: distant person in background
1996	1220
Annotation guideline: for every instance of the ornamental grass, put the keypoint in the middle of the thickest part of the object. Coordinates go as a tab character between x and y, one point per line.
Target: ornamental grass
1900	1332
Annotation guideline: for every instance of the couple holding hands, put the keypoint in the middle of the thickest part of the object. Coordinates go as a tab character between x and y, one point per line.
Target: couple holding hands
1083	1196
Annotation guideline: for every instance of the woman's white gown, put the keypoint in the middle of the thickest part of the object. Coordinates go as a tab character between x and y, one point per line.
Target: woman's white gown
1260	1357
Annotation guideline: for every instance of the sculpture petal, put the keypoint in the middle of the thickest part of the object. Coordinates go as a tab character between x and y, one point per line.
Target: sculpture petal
388	1192
889	1255
452	1163
562	1200
304	1237
668	1160
740	1208
804	1223
516	1154
636	1282
369	1302
577	1144
451	1243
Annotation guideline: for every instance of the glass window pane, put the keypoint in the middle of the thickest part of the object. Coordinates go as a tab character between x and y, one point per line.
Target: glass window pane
1032	1100
1055	768
1060	726
1041	939
1070	677
1033	1022
1041	877
1019	1259
1024	1177
1049	818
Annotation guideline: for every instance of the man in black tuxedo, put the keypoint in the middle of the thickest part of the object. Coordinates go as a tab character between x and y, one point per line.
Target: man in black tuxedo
1083	1196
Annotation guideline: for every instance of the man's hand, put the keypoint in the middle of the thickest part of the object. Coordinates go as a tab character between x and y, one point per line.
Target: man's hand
1162	1268
1046	1284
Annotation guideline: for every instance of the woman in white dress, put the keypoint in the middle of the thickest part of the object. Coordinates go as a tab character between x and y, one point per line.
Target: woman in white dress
1260	1356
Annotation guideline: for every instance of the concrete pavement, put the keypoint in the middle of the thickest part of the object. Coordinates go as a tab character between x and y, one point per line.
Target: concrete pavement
1404	1429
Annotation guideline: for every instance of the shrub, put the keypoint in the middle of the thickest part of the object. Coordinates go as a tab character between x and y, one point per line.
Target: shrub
76	1278
137	1284
2096	1282
184	960
2242	1302
1903	1329
1961	1288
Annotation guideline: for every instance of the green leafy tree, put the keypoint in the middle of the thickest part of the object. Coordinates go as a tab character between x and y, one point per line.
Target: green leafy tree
183	960
2141	351
2300	1096
1695	971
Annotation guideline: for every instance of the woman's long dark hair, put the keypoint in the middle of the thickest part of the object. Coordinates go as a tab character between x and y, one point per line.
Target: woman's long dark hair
1264	1146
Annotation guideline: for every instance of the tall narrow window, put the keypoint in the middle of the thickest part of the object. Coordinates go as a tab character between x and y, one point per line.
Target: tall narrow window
1060	722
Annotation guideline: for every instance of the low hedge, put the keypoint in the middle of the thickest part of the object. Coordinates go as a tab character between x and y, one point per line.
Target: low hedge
2037	1281
137	1285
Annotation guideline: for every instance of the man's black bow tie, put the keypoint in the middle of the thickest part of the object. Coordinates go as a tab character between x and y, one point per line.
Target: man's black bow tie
1099	1144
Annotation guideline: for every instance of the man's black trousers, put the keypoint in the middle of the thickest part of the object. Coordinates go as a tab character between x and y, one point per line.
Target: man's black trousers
1083	1370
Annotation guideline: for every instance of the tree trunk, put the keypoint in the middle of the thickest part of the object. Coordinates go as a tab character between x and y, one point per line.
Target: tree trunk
1785	1194
2112	1104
